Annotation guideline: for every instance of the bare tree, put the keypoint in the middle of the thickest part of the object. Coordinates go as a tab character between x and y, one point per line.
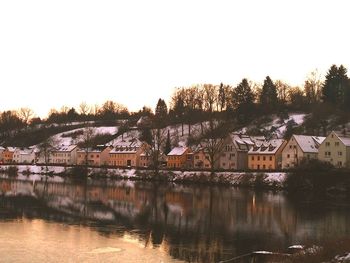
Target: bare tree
87	143
84	108
157	143
313	87
64	109
26	114
45	148
282	91
213	142
210	96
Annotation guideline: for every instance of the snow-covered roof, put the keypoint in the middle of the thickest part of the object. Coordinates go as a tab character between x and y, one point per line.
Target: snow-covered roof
65	148
2	148
97	149
129	142
144	120
308	144
124	150
267	147
345	139
178	151
23	151
11	149
244	142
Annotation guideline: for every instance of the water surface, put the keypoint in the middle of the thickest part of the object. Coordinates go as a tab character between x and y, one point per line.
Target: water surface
123	221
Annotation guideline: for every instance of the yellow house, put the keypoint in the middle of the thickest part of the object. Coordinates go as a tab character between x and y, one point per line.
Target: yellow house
96	156
127	153
335	149
266	155
7	154
177	158
300	148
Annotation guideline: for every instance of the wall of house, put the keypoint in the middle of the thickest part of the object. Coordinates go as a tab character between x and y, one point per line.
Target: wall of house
292	154
145	161
23	158
177	161
261	161
229	158
121	159
201	160
333	151
7	156
60	157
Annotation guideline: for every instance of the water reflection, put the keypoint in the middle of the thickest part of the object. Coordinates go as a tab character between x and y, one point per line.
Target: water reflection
194	224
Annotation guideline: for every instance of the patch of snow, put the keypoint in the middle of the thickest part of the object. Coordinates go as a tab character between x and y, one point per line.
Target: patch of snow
60	139
343	258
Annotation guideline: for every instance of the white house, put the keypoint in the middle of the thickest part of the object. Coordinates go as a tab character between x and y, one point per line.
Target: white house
299	148
24	155
65	155
335	149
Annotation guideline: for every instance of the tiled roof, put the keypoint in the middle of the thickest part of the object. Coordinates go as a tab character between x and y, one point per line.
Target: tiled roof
308	144
266	147
178	151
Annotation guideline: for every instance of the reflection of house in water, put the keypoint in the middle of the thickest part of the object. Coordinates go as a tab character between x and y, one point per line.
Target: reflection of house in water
196	211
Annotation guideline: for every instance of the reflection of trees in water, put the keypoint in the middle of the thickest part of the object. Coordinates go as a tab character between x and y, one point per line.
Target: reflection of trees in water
193	223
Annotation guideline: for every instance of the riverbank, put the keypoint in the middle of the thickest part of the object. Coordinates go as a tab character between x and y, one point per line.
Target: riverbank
273	180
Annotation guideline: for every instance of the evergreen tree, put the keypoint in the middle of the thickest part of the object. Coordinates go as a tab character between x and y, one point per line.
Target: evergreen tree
268	96
179	107
167	144
161	113
243	100
336	88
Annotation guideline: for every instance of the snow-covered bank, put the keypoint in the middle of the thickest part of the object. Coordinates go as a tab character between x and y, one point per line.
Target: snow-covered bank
268	179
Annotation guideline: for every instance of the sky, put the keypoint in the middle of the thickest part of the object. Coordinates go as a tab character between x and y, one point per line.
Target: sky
55	53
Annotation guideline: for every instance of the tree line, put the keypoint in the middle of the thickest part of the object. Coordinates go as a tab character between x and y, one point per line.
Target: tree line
241	103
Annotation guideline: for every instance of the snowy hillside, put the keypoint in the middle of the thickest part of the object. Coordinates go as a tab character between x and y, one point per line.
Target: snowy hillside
277	126
75	136
127	136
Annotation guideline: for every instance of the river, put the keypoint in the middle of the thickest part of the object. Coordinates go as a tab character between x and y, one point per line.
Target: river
125	221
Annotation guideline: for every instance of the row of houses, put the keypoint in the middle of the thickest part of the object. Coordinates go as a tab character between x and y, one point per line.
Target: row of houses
236	152
129	153
242	152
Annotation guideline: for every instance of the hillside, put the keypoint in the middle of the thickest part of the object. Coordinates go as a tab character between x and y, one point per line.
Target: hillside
63	135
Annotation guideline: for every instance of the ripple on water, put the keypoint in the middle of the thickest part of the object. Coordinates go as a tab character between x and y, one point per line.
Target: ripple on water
103	250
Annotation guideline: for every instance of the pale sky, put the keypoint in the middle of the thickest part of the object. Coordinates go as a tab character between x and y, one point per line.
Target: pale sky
55	53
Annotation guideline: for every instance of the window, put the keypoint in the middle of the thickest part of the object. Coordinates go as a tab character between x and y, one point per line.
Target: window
336	143
252	158
288	155
340	153
340	163
197	157
264	158
264	167
270	158
290	146
328	144
258	158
